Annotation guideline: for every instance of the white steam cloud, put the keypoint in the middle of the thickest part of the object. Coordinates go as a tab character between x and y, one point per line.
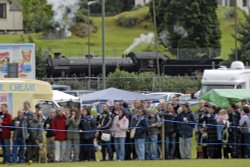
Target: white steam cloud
64	12
164	36
180	30
147	39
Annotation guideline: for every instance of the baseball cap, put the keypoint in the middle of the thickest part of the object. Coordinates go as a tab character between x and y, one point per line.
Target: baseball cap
38	106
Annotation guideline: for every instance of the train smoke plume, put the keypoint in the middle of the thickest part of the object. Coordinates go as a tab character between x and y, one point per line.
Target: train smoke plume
64	12
147	39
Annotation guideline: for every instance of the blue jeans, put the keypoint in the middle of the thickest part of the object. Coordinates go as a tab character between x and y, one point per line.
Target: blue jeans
6	152
170	146
19	142
151	147
140	148
120	148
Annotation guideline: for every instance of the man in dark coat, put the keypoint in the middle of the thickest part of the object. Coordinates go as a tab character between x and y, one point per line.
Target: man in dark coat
234	131
209	123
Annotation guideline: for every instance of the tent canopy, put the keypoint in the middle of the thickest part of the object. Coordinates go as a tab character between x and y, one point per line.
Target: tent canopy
113	94
222	97
59	96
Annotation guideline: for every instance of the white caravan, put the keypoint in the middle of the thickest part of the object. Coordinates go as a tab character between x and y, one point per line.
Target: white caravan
236	77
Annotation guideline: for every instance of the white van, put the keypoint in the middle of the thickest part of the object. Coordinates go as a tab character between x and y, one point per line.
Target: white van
165	96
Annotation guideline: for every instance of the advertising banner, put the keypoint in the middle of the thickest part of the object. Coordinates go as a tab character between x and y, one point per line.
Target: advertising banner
23	54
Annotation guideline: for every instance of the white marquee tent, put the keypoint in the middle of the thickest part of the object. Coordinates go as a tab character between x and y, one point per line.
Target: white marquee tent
59	96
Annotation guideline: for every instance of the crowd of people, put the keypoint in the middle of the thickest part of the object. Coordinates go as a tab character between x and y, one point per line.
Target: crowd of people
124	133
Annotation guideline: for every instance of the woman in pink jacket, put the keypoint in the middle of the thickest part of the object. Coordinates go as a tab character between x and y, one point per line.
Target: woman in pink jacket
120	126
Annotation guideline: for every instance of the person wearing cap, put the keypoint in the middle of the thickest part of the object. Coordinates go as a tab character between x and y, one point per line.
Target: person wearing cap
140	125
185	125
41	117
153	123
104	125
245	125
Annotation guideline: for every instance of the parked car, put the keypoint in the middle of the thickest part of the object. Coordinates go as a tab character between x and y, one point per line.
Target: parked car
61	87
78	93
165	96
187	98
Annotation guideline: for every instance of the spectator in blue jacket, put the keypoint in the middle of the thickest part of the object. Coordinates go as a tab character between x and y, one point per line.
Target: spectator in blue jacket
186	122
87	128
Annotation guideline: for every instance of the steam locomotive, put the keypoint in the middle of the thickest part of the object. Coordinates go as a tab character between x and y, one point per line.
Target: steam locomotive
60	66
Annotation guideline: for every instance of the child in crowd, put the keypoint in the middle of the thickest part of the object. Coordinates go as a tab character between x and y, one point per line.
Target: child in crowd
222	130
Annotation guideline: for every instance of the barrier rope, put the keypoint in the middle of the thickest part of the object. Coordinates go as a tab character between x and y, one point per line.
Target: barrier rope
99	130
126	143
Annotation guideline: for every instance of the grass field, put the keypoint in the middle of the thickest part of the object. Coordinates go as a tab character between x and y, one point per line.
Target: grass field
160	163
227	29
119	38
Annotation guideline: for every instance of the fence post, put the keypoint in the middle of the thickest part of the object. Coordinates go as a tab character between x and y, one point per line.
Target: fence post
163	140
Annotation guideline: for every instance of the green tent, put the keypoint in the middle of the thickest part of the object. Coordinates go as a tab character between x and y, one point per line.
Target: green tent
222	97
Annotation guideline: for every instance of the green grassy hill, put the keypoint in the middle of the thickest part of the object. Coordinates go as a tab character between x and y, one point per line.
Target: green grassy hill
119	38
226	19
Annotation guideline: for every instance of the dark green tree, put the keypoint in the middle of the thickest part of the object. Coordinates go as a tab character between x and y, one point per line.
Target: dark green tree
37	15
41	60
111	6
188	24
243	38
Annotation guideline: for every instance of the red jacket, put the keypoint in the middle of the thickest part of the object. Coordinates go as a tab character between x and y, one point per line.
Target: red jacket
59	123
7	120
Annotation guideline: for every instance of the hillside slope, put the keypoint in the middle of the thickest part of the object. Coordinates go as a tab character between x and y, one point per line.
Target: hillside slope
119	38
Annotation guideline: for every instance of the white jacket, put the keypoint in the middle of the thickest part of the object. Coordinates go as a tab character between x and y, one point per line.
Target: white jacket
120	131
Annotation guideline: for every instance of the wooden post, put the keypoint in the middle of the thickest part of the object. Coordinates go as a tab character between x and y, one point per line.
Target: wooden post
163	140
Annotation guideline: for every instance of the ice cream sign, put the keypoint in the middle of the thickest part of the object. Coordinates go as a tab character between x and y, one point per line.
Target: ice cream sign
23	54
17	87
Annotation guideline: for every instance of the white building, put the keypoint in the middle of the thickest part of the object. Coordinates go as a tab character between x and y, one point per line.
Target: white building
141	2
11	17
242	4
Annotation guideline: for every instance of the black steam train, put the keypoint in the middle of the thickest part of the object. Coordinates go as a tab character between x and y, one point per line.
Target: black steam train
59	66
